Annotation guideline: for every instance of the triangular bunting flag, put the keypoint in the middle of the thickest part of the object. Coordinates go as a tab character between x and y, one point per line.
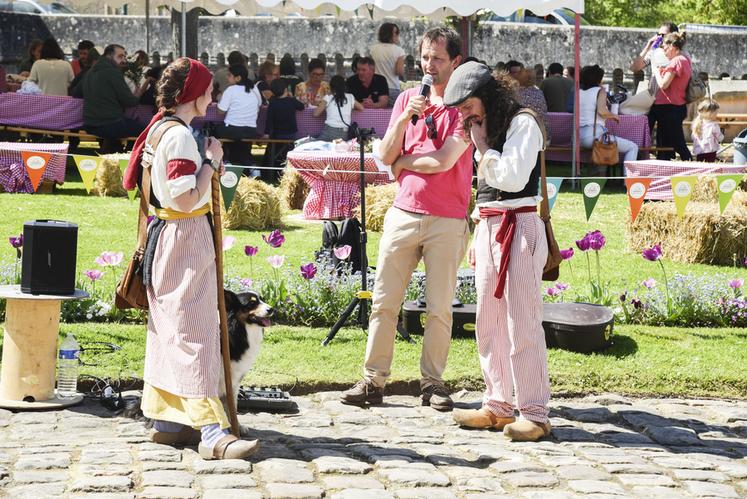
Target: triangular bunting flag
122	167
592	189
87	166
682	189
35	163
228	183
637	189
553	189
727	184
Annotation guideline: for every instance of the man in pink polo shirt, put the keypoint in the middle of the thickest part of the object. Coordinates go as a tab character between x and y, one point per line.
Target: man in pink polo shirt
432	162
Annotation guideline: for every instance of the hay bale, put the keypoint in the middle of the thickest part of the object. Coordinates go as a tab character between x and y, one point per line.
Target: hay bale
293	189
703	236
378	200
705	190
108	181
255	206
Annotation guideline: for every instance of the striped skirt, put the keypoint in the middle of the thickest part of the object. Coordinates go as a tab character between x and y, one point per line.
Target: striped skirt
182	352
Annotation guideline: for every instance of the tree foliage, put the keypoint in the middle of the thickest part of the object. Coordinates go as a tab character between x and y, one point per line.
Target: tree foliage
651	13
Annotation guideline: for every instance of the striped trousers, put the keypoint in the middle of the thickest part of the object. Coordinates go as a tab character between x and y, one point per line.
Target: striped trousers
510	338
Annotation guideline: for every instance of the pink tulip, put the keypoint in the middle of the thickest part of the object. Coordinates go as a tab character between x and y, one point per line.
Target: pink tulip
343	252
246	283
649	283
109	258
736	283
561	286
276	261
552	291
228	242
93	274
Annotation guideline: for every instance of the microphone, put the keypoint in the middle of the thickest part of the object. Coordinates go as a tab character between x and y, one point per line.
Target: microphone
425	90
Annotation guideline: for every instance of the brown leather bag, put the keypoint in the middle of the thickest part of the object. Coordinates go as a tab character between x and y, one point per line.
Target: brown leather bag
604	149
551	272
131	291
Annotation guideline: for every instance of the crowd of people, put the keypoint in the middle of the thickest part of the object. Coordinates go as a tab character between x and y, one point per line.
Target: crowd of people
110	82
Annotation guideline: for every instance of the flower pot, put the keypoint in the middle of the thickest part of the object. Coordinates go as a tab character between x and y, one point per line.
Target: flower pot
578	327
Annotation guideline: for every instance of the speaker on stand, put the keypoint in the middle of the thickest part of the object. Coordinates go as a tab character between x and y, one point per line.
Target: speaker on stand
49	256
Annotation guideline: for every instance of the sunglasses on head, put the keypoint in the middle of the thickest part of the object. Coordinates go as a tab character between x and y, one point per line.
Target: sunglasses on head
431	125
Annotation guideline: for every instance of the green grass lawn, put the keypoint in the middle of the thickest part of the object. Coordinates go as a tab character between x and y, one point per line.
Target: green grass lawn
644	360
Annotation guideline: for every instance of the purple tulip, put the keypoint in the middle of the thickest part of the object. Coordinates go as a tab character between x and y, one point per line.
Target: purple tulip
561	286
567	254
246	283
552	292
636	303
308	271
583	244
93	275
251	250
735	284
16	241
745	262
653	253
596	240
275	239
649	283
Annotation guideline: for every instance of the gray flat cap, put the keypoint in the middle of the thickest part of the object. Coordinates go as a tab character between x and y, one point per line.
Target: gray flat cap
464	81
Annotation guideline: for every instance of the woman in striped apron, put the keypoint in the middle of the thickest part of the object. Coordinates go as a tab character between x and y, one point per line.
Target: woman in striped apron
182	353
508	252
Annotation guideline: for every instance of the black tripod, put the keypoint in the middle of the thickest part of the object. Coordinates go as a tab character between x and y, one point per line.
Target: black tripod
361	297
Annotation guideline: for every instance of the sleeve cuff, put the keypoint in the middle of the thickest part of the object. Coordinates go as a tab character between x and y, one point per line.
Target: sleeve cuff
180	185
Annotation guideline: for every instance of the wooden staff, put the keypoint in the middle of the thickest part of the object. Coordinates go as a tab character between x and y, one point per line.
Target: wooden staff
218	240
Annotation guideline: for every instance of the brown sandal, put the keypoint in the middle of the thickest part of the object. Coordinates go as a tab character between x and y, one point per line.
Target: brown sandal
229	447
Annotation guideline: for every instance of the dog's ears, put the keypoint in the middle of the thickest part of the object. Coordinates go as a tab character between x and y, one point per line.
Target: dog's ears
231	299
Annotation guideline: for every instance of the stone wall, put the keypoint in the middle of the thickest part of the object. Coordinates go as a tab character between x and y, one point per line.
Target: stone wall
532	44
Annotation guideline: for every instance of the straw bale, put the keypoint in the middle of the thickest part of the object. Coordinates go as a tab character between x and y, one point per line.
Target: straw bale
255	206
378	200
702	236
705	189
293	189
108	181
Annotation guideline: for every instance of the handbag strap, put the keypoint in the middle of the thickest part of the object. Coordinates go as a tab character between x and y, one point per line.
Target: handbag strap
544	204
155	138
606	132
340	111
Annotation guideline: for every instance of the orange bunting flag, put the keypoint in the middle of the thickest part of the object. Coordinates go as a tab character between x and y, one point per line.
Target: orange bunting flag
35	163
637	189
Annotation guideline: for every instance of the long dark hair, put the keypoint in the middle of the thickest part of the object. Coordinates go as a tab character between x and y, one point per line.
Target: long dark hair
241	71
337	85
500	105
51	50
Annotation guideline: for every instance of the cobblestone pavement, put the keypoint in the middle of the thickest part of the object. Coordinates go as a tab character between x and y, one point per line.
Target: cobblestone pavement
602	446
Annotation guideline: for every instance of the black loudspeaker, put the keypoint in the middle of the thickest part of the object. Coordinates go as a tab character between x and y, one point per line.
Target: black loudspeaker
50	248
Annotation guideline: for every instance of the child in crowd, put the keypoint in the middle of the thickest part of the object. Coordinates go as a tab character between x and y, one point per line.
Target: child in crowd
280	124
339	106
706	132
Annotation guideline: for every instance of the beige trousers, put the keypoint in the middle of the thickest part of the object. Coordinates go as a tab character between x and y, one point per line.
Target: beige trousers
408	237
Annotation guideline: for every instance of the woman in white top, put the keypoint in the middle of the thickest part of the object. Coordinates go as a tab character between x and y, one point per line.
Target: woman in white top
593	100
508	252
52	73
339	106
240	102
389	58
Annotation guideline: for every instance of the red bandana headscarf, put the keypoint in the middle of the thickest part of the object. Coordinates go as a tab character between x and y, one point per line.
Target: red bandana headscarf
196	84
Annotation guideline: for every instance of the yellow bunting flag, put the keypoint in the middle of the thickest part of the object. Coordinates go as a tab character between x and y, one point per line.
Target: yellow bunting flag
122	167
727	184
637	189
35	163
87	166
682	189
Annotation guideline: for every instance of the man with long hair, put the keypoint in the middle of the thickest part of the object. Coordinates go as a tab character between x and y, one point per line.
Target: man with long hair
432	161
508	252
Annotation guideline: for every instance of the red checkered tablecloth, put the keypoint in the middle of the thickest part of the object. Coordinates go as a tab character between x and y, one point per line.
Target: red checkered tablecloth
661	188
633	128
333	179
13	176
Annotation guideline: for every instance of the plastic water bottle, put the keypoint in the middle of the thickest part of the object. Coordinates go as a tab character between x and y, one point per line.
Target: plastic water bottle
67	367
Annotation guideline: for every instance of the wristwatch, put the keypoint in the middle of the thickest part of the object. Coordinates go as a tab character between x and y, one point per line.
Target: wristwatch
215	165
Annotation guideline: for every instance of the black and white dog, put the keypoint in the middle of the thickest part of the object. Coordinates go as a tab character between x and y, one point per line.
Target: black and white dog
247	317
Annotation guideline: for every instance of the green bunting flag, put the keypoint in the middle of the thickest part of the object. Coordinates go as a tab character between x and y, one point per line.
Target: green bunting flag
87	166
122	168
682	189
592	189
229	181
727	184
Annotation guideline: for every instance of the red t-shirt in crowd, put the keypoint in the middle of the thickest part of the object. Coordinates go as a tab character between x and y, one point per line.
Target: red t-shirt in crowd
444	194
675	94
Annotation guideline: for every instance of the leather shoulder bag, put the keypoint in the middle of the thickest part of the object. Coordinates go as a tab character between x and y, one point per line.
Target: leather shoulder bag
603	149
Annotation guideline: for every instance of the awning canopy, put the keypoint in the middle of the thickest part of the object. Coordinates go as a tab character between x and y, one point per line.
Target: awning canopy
377	9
